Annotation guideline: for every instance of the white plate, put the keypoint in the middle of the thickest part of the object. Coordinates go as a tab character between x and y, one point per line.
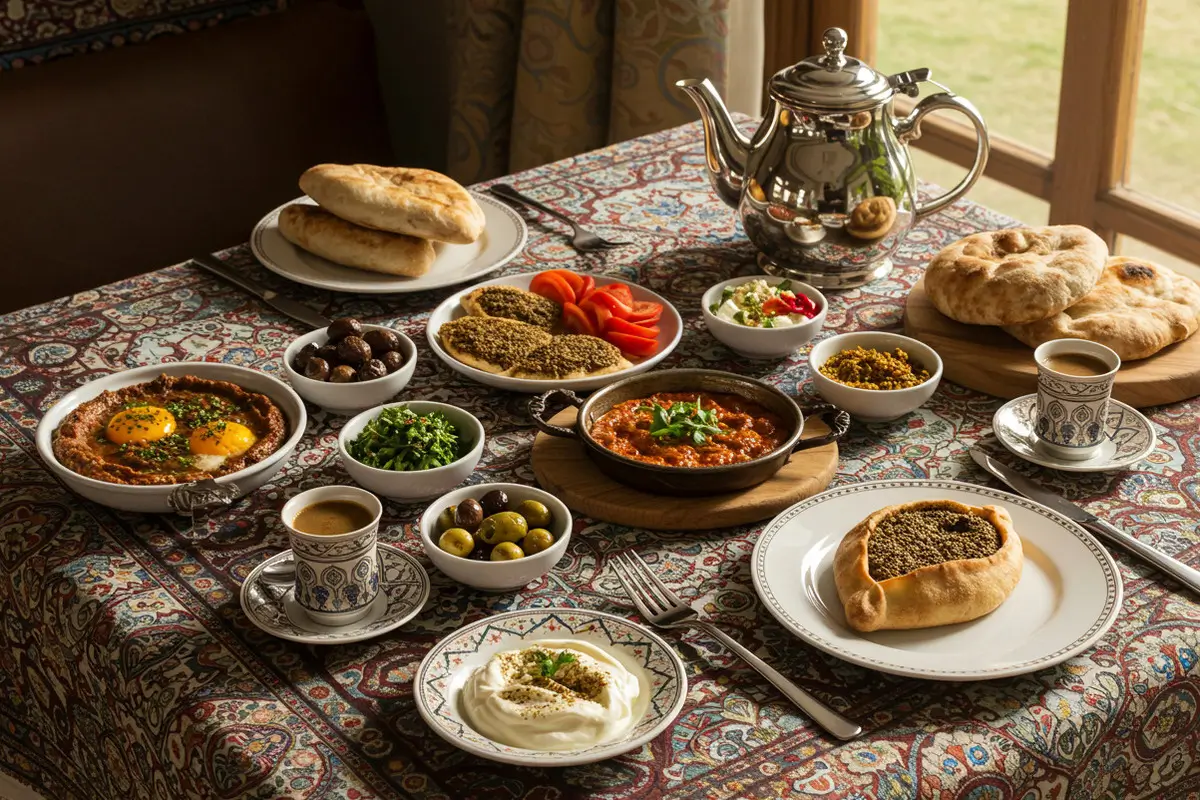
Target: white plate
1068	596
1129	437
503	237
450	663
403	590
670	331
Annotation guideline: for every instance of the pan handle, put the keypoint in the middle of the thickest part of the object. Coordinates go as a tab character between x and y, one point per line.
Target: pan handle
837	420
537	411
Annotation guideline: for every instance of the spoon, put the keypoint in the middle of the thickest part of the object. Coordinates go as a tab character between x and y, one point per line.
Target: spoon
281	572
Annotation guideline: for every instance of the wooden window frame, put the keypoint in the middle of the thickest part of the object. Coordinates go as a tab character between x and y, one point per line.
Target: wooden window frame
1084	180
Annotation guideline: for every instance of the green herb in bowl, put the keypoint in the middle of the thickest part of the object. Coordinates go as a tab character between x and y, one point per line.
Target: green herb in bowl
402	440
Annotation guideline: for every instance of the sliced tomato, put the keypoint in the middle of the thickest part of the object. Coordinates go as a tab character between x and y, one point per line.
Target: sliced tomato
552	286
632	345
577	320
618	290
775	307
645	312
598	314
589	286
618	325
573	279
614	304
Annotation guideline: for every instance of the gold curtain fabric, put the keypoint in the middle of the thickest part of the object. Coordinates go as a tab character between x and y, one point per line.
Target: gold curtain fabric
538	80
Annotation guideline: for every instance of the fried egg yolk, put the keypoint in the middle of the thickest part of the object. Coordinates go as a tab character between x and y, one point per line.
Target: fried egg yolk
140	424
222	438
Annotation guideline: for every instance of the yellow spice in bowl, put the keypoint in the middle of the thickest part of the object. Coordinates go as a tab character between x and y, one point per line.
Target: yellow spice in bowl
868	368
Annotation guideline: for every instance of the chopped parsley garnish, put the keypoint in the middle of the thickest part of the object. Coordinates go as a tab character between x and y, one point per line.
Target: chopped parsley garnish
550	666
400	439
168	448
683	420
200	410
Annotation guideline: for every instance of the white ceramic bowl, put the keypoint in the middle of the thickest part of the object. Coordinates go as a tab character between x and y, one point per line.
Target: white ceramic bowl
497	576
350	398
670	331
154	499
412	486
875	405
763	343
445	669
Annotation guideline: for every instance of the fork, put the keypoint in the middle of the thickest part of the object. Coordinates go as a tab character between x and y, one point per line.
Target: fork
663	609
584	240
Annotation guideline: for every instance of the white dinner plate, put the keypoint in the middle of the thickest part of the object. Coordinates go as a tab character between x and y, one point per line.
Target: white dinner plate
1068	596
451	662
670	330
503	237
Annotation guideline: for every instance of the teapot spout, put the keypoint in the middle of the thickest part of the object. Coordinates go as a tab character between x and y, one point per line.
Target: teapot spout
725	147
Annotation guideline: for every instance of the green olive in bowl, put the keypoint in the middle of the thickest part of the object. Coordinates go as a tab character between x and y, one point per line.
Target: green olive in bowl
537	540
507	526
535	513
457	542
507	551
445	520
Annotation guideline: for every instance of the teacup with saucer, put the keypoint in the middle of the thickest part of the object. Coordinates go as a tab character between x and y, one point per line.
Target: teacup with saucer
1128	437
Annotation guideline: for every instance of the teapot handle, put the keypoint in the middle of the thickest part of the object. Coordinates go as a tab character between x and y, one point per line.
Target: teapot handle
909	129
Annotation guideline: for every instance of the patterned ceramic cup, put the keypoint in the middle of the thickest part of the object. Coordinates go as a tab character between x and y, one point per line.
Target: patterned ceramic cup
1072	409
337	577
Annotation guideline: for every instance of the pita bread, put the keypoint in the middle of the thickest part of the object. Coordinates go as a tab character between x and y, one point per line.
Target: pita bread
317	231
1137	309
1015	276
511	302
571	356
492	344
415	202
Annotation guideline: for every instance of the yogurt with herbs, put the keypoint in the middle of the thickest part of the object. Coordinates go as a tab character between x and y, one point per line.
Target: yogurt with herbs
557	695
759	304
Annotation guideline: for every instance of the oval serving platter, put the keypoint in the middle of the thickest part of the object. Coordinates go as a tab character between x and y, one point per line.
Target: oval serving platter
1068	596
670	332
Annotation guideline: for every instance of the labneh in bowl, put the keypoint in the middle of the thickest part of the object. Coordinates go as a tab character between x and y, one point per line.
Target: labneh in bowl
350	398
157	499
687	481
411	486
763	343
497	576
875	405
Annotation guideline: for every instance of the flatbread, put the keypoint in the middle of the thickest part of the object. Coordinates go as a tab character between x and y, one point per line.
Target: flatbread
511	302
571	356
415	202
491	344
1015	276
317	231
1137	309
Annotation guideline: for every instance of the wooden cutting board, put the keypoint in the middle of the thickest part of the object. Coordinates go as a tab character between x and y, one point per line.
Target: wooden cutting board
563	469
988	360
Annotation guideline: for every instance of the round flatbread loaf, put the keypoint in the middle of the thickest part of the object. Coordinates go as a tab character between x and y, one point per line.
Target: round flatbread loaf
1137	309
317	231
942	562
416	202
1014	276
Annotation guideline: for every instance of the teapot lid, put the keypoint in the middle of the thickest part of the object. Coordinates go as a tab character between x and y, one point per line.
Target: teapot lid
833	82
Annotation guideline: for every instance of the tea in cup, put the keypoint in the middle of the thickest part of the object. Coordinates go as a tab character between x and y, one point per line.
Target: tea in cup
1075	380
333	532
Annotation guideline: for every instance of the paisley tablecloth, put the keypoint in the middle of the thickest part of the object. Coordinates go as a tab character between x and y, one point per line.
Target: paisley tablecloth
127	669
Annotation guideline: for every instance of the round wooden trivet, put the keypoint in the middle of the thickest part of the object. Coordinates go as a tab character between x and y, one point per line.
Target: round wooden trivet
563	469
988	360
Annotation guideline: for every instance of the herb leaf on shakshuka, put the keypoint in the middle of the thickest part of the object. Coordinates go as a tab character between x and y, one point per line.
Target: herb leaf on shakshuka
687	429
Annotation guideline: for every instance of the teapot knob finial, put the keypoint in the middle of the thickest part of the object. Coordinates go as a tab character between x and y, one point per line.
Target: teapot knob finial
834	41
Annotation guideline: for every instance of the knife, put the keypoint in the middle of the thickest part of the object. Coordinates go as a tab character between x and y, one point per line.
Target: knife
1023	485
284	305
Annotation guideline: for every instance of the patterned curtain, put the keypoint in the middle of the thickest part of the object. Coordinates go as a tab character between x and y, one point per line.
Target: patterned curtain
538	80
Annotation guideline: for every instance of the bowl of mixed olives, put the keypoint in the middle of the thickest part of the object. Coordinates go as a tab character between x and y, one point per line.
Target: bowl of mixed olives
350	365
496	536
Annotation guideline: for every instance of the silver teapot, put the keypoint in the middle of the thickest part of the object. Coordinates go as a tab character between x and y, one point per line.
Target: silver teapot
825	187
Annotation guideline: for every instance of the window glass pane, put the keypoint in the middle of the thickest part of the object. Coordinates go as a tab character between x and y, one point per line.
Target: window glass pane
1128	246
986	191
1165	158
1005	56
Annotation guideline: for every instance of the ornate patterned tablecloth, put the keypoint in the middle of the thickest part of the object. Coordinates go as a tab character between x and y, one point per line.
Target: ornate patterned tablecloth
127	669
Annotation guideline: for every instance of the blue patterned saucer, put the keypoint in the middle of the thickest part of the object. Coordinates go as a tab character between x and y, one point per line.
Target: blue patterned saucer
446	667
403	590
1130	437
